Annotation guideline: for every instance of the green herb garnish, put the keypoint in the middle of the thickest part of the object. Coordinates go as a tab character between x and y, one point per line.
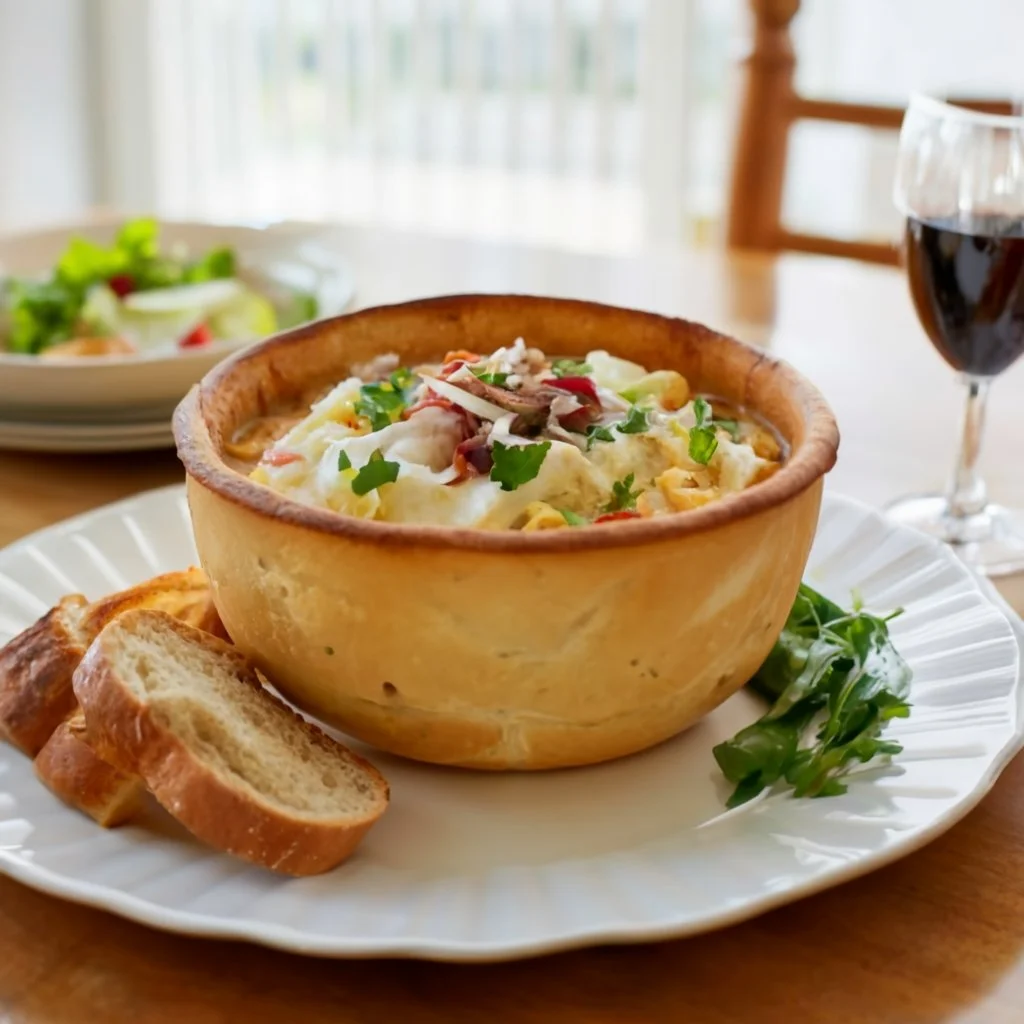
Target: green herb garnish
703	441
833	673
623	496
382	404
344	462
573	518
731	427
515	465
377	472
495	379
596	433
570	368
402	379
634	423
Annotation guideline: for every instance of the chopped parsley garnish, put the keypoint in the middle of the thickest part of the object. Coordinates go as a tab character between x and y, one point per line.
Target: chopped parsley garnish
597	433
515	465
634	423
375	473
344	462
495	379
573	518
382	404
570	368
402	378
731	427
702	437
623	496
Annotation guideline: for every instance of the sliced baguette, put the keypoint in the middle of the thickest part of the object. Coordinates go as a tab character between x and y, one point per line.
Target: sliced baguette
69	766
233	763
35	675
185	595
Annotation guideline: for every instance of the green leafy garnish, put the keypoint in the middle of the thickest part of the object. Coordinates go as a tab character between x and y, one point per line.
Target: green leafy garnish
570	368
703	441
402	379
731	427
217	263
41	314
515	465
344	462
634	423
382	404
573	518
831	671
374	474
623	497
595	433
495	379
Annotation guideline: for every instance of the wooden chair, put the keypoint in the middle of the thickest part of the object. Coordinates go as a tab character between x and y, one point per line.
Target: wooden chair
770	106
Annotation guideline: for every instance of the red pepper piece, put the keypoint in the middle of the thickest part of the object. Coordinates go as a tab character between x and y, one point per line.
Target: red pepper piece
282	458
614	517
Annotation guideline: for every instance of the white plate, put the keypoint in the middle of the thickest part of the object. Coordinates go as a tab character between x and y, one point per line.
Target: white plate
86	437
480	866
153	384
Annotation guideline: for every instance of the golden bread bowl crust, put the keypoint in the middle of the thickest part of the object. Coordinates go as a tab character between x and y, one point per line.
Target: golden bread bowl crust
502	649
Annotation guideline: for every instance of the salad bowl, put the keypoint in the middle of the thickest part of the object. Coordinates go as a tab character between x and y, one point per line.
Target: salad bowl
286	269
502	649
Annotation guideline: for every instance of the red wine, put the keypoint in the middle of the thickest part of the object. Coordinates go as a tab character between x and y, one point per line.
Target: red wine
967	281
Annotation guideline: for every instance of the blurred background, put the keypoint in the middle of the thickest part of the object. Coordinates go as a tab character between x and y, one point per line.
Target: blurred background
598	125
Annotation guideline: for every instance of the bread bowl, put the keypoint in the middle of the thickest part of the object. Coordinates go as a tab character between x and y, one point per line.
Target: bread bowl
499	649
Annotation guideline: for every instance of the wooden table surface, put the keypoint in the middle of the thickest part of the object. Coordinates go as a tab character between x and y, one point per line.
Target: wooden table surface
938	936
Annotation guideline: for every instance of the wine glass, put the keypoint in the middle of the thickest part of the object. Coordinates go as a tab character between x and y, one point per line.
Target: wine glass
960	185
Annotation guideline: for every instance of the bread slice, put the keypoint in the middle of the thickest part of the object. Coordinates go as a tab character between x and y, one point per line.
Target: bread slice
35	675
69	766
232	762
185	595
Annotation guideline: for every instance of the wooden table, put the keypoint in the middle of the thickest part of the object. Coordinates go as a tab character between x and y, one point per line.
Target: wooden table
936	937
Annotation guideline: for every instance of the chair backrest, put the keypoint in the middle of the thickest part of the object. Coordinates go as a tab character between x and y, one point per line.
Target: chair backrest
769	107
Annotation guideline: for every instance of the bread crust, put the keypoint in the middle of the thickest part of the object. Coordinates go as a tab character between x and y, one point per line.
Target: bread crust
131	735
35	675
503	649
70	767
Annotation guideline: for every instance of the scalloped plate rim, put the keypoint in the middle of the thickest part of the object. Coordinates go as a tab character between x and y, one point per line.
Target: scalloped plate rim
283	937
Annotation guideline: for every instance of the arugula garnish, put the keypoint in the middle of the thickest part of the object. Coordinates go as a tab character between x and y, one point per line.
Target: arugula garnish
377	472
623	496
834	670
595	433
570	368
344	462
382	404
515	465
573	518
634	423
703	441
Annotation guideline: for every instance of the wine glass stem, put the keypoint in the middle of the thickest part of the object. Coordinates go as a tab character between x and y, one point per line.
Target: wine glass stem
967	493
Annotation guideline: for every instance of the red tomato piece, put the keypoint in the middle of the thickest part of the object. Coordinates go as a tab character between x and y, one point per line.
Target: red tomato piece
121	285
198	336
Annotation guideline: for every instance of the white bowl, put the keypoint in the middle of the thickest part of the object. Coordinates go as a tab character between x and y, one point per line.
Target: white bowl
147	386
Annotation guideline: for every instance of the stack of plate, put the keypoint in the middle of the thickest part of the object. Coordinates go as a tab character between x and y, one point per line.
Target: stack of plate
125	403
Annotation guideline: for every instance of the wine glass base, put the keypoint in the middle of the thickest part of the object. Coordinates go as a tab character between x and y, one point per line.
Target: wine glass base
991	542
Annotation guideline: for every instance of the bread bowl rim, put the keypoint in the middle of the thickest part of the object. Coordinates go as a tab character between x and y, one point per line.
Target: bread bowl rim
809	461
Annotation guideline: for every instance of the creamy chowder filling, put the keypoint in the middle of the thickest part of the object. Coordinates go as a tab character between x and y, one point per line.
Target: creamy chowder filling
514	440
